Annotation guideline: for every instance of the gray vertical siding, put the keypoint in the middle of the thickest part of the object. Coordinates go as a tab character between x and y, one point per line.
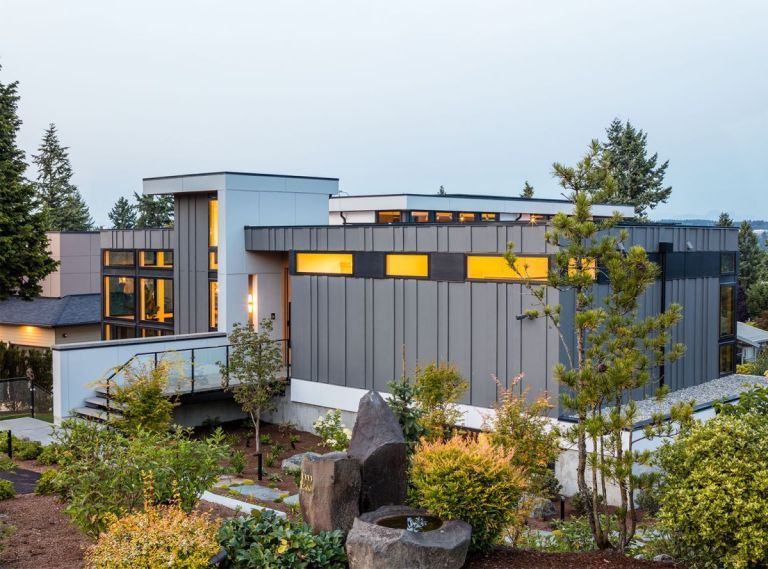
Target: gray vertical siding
350	331
190	267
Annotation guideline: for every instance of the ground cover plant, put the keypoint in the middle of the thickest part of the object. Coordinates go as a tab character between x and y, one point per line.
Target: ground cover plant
265	540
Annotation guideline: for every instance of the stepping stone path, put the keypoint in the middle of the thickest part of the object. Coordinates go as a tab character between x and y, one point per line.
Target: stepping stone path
23	480
292	500
259	492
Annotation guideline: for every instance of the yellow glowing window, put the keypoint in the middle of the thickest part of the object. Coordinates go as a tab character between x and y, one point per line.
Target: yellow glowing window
388	217
420	216
324	263
497	268
444	216
407	265
489	216
466	217
213	304
156	302
213	223
589	266
156	259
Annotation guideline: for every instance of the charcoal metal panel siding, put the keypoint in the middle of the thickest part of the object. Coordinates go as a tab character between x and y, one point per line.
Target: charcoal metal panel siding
190	267
355	333
460	330
383	333
484	314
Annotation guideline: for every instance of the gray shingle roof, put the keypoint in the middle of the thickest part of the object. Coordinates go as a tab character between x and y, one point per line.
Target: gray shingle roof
70	310
751	335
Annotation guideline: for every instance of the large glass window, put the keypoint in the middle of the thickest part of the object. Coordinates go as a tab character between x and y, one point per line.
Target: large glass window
496	268
120	297
213	304
420	216
156	259
489	217
118	258
112	332
726	359
467	217
444	216
213	223
407	265
324	263
157	300
727	263
727	310
388	217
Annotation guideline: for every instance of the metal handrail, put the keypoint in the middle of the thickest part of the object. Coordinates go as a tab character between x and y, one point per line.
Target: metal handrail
33	387
109	379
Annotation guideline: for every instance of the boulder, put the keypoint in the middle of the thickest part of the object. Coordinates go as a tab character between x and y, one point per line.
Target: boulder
378	444
329	491
292	464
542	508
373	546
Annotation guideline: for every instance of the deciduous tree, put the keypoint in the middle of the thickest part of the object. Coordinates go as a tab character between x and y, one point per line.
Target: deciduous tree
255	360
24	256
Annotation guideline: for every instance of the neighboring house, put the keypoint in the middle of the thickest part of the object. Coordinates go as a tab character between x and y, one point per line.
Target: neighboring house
751	341
351	281
69	307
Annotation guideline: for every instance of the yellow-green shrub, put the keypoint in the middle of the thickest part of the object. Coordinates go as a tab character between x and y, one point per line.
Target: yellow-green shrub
714	495
471	480
160	536
437	389
6	490
46	485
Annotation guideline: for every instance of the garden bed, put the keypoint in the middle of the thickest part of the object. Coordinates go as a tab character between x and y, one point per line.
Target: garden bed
504	558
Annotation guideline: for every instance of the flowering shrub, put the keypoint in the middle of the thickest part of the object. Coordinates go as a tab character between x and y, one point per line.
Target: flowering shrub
471	480
269	541
160	536
333	432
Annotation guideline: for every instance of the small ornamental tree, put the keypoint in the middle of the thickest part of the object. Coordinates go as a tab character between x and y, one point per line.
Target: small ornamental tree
612	350
437	389
255	360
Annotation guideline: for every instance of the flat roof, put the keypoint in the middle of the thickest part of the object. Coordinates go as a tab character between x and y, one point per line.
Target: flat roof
461	196
223	172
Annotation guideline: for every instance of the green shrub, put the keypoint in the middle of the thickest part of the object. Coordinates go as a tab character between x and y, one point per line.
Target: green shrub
237	462
714	494
49	455
469	480
265	439
437	389
23	449
403	405
47	484
270	541
101	470
568	536
753	401
6	490
142	398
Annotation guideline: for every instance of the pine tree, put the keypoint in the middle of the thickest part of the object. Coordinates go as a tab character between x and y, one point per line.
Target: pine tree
752	258
24	257
441	191
153	211
724	220
527	191
123	214
62	205
640	181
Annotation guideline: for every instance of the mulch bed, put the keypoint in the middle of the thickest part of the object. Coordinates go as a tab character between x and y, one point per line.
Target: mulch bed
44	535
505	558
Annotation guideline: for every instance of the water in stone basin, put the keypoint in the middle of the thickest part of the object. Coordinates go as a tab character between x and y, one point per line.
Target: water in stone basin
418	524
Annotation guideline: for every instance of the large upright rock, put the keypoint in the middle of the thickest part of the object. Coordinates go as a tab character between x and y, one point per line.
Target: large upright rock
329	491
378	444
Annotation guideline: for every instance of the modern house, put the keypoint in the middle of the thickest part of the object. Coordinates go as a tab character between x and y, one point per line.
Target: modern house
350	281
750	342
68	309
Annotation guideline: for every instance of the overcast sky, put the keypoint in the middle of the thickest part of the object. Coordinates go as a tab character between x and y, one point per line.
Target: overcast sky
393	96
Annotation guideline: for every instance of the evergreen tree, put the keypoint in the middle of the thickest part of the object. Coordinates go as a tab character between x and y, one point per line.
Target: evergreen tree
724	220
153	211
441	191
24	256
527	191
62	205
123	214
751	257
640	181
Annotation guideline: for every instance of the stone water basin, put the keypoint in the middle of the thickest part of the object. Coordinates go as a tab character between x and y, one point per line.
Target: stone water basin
400	536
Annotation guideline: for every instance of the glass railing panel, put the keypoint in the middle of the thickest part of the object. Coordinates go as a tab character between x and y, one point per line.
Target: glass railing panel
207	367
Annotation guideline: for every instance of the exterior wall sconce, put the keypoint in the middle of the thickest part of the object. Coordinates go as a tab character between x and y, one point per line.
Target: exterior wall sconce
250	304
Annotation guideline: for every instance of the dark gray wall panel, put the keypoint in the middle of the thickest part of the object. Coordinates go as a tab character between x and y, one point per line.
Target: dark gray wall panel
384	348
190	271
460	329
484	316
427	318
301	327
355	333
